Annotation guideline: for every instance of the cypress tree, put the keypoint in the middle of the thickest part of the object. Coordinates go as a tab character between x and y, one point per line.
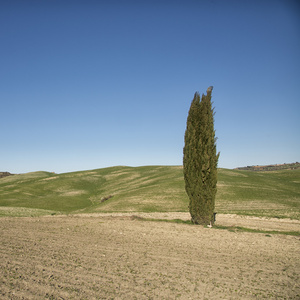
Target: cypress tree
200	159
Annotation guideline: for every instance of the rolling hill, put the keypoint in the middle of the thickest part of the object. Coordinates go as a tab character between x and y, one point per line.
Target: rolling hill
147	189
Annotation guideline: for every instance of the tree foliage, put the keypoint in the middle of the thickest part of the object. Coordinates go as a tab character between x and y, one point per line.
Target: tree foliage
200	159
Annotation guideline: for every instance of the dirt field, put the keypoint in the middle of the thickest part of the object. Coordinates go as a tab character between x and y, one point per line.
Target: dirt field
119	257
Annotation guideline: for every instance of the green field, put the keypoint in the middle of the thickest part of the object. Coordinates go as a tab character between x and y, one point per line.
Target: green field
147	189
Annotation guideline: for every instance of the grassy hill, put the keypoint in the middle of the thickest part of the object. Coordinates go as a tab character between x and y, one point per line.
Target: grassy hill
147	189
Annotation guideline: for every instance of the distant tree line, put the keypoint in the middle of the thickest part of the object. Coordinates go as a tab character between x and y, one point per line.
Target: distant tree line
5	174
290	166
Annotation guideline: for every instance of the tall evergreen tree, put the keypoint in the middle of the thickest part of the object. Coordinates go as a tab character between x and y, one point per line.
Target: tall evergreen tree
200	159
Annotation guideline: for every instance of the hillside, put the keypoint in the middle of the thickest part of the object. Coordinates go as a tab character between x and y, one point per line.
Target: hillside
147	189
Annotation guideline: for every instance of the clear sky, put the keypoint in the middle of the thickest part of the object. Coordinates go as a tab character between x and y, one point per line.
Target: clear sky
91	84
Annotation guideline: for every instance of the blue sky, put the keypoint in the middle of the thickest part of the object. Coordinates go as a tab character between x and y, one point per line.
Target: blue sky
92	84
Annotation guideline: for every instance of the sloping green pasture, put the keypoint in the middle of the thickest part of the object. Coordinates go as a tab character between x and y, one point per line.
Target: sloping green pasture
269	193
147	189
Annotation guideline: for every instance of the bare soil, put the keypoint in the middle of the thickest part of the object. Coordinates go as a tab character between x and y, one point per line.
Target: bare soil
116	256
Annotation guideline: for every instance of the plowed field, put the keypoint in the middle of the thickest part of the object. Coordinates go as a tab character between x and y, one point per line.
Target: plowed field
120	257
